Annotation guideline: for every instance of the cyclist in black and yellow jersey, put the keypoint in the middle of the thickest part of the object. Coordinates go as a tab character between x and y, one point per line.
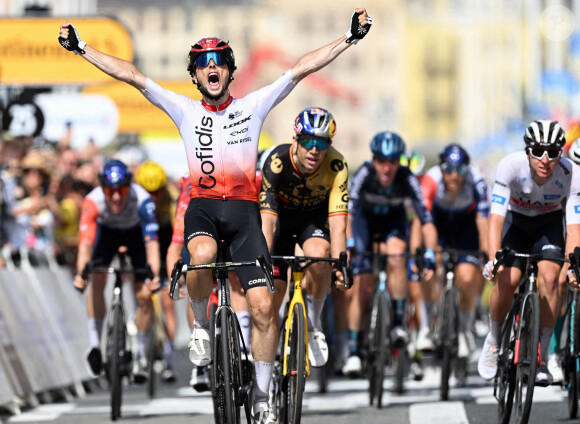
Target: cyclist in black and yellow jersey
153	178
304	193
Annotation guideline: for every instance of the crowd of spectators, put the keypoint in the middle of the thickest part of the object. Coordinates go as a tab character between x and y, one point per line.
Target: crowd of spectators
42	186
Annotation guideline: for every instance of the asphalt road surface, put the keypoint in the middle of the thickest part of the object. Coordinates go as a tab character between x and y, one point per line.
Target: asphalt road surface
345	402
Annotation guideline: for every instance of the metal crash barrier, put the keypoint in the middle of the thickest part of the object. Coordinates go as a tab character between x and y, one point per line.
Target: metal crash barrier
43	334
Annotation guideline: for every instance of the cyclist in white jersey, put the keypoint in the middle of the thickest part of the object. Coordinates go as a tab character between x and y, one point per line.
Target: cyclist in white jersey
221	135
526	215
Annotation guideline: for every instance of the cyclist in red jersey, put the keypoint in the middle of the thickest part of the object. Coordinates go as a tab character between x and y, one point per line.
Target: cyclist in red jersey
220	136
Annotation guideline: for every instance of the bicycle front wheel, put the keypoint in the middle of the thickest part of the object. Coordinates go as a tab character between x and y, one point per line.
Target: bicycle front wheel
504	382
116	358
151	357
570	355
378	347
216	390
527	361
448	337
228	367
296	366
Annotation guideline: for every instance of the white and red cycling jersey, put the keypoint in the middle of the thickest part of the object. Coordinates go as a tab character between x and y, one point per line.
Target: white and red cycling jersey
472	195
139	210
221	143
516	191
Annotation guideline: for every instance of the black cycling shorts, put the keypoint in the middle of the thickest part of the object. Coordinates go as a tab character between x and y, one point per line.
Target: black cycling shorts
108	241
368	228
238	224
533	234
297	227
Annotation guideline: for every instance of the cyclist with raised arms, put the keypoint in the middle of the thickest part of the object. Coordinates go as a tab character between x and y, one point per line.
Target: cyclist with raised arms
456	195
114	214
221	135
305	194
376	207
526	215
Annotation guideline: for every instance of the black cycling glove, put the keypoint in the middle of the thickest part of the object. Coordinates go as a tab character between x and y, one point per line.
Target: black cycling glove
357	31
73	43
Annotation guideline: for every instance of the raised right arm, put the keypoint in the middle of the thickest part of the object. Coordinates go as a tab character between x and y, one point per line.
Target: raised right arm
119	69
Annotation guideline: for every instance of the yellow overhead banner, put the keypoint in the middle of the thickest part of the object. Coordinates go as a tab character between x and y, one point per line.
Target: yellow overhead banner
136	114
30	53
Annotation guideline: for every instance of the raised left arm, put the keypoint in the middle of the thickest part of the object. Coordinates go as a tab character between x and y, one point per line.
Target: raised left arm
318	59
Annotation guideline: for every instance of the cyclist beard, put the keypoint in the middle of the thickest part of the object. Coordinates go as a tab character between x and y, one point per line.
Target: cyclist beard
214	97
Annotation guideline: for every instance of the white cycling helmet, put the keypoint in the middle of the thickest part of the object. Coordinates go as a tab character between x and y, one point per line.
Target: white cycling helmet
545	133
574	152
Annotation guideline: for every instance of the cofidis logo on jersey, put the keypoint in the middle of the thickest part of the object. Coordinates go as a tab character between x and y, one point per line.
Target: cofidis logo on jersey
500	200
205	153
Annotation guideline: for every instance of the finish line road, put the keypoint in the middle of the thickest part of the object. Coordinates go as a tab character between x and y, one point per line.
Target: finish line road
346	402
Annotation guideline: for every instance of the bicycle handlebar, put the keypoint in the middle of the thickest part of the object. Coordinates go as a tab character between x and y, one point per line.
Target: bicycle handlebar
114	270
574	259
502	254
180	268
341	261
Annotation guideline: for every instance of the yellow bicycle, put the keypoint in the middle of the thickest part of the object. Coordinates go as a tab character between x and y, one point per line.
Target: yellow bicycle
292	366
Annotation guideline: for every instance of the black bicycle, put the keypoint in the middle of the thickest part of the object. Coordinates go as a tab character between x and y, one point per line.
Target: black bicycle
118	356
448	324
381	349
518	349
571	335
231	376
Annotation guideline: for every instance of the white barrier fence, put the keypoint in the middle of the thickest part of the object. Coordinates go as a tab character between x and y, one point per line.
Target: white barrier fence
43	335
43	332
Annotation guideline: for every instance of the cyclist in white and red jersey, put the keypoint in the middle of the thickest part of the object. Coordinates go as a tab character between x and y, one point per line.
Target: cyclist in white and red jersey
221	135
456	194
526	215
114	214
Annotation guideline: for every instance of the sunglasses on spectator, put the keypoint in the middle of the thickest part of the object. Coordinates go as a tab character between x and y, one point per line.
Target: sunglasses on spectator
109	191
203	60
539	152
448	168
310	142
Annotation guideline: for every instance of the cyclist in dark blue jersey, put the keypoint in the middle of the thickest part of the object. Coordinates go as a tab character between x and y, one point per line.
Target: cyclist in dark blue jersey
376	209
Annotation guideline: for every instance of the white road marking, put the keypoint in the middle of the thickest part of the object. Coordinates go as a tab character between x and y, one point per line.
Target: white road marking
438	413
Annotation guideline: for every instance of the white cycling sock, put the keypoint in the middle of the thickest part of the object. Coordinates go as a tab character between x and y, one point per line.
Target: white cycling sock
263	376
494	330
199	308
169	353
244	320
143	338
424	317
314	308
95	326
466	319
545	336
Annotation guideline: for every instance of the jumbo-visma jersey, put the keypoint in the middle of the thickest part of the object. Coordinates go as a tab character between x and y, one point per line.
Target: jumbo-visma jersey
284	188
221	143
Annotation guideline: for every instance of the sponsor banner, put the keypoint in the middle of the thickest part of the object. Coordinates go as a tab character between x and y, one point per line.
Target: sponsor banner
136	114
30	53
92	117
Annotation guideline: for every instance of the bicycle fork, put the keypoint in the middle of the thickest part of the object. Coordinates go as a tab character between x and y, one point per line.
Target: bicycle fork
296	298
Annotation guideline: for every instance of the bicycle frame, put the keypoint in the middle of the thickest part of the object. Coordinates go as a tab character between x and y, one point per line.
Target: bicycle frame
297	297
514	377
231	388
